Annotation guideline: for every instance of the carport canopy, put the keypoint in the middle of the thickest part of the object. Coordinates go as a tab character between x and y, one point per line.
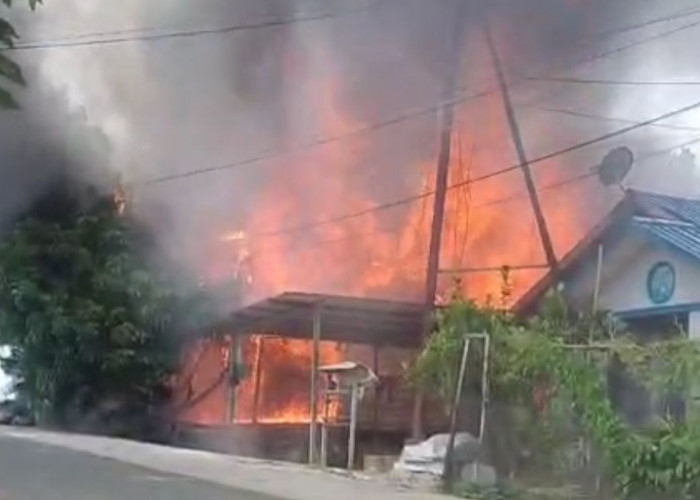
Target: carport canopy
341	319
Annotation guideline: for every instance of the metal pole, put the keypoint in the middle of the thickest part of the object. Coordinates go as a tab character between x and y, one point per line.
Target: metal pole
353	427
520	149
324	427
313	408
484	386
598	274
451	71
258	372
375	402
448	473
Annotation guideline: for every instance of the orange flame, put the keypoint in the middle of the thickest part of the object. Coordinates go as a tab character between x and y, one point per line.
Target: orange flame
281	375
384	252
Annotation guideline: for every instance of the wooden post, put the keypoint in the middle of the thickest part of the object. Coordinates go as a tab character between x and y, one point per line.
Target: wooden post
233	362
448	473
520	149
353	426
313	408
260	349
451	71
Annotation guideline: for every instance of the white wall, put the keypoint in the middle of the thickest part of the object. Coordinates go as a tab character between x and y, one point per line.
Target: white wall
626	266
5	381
694	325
629	290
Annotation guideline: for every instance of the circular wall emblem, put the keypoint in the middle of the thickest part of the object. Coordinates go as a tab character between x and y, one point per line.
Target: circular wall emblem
661	282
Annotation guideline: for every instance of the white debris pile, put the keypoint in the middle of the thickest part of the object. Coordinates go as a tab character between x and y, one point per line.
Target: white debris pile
424	462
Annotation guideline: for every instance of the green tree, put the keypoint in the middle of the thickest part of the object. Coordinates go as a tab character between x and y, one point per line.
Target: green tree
549	391
9	69
95	323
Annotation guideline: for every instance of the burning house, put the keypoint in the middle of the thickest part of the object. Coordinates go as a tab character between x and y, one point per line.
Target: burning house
265	399
354	218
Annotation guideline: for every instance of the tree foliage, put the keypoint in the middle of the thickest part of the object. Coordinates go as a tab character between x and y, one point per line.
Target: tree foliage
551	374
95	324
10	71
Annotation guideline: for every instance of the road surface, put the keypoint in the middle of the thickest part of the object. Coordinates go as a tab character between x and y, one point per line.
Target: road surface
34	471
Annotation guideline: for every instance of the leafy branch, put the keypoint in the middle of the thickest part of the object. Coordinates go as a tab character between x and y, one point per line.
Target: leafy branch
9	69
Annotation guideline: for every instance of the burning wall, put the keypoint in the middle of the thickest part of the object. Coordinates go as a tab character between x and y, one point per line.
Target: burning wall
201	388
278	385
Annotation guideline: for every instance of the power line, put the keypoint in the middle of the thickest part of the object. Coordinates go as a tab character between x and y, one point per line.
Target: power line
395	230
540	159
69	40
371	127
593	116
592	172
637	43
682	14
116	32
592	81
612	52
590	142
494	269
152	37
269	155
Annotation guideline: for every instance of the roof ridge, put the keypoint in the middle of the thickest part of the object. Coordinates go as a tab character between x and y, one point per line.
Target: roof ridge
643	192
660	220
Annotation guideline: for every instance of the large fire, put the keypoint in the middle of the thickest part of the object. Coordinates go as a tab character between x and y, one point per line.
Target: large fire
384	253
381	252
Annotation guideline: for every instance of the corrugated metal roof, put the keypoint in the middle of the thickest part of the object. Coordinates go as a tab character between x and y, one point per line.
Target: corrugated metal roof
343	319
674	220
684	208
683	236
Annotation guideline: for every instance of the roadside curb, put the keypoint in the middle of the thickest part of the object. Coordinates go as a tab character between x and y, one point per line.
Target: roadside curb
277	479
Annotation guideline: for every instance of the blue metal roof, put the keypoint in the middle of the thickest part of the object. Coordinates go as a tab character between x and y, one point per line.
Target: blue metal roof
681	235
686	209
672	220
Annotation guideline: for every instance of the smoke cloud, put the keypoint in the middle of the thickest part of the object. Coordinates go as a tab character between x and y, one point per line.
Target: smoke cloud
181	104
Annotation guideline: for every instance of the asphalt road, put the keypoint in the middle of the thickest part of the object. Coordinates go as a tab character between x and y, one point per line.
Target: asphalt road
32	471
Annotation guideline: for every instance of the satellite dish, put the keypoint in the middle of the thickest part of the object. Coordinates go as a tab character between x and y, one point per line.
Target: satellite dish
615	166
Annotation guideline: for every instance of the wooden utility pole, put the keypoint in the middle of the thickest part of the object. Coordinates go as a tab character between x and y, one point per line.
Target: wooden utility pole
519	147
451	72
